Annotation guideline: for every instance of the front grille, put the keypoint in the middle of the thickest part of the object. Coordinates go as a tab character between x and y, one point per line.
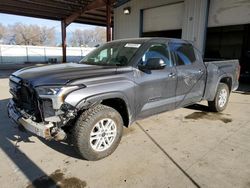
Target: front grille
48	110
25	99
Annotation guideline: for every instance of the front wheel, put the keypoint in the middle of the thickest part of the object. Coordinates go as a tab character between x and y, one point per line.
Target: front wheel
221	98
97	132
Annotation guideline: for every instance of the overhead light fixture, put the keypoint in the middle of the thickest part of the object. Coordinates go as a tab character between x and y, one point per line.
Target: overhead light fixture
127	10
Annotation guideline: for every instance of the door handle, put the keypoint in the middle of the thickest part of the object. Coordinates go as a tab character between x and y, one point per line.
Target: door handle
171	75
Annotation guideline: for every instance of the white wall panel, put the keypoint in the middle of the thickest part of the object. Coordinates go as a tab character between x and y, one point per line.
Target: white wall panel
167	17
21	54
229	12
128	26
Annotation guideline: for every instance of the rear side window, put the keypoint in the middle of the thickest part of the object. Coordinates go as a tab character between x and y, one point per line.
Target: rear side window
184	53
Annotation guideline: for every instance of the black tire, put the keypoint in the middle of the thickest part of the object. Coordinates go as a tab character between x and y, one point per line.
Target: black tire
214	105
84	126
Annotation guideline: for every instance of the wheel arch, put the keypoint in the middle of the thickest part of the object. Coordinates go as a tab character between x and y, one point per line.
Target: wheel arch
114	100
119	105
228	81
213	85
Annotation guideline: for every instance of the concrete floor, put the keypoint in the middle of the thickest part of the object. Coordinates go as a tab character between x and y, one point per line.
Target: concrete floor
188	147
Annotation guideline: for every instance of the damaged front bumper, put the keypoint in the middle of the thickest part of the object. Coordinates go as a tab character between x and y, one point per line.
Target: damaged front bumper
43	130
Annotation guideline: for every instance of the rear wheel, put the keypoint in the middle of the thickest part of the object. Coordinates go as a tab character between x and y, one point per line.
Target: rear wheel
221	98
97	132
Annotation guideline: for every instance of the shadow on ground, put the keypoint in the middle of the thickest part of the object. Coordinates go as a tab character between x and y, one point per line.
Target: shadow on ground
11	135
199	107
64	147
205	113
244	88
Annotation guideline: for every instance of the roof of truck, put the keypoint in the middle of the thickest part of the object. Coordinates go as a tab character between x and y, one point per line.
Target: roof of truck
146	39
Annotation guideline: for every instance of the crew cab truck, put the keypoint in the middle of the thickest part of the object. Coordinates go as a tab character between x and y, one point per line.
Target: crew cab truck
116	84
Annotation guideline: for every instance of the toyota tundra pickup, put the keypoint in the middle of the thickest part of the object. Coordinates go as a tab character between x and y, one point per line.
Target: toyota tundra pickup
113	86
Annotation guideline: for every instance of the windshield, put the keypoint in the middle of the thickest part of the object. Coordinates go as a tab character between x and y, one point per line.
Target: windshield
114	53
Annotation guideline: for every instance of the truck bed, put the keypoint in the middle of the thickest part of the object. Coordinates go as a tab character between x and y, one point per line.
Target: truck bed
218	70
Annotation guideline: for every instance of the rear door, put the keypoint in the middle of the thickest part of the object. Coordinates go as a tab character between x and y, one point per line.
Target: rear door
191	74
156	88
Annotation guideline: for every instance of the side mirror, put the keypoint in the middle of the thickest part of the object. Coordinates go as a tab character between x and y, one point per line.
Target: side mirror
153	64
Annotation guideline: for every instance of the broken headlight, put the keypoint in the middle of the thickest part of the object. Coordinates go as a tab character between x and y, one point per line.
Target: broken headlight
56	90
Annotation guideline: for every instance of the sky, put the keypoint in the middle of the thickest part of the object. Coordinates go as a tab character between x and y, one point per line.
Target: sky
8	19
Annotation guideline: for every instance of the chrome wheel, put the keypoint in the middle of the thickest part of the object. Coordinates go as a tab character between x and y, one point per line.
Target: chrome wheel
222	98
103	134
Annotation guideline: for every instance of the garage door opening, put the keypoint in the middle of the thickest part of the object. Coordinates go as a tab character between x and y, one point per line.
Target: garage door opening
230	42
168	34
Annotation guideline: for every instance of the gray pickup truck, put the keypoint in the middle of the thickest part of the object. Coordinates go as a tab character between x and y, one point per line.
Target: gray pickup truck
116	84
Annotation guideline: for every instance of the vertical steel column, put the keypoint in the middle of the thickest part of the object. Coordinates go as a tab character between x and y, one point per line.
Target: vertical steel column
205	28
108	15
63	31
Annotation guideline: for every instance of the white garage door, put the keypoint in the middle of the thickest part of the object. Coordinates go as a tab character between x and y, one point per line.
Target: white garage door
168	17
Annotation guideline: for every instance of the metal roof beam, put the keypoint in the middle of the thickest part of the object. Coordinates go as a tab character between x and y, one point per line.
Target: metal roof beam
31	12
91	6
72	3
24	12
17	6
49	4
59	10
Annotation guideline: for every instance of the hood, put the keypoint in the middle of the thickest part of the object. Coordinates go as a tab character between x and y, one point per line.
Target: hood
61	74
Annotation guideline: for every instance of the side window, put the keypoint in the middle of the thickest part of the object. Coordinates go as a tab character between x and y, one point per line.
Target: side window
157	51
184	53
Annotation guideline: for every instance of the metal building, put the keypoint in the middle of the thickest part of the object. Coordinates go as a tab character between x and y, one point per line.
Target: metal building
219	28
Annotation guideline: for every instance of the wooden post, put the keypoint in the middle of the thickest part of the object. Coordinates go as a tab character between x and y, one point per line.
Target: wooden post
63	31
108	12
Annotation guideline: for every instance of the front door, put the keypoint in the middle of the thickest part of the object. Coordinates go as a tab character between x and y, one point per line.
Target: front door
156	88
191	74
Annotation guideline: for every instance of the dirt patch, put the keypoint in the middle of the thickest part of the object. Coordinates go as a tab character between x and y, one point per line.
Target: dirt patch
128	131
247	185
209	116
57	180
